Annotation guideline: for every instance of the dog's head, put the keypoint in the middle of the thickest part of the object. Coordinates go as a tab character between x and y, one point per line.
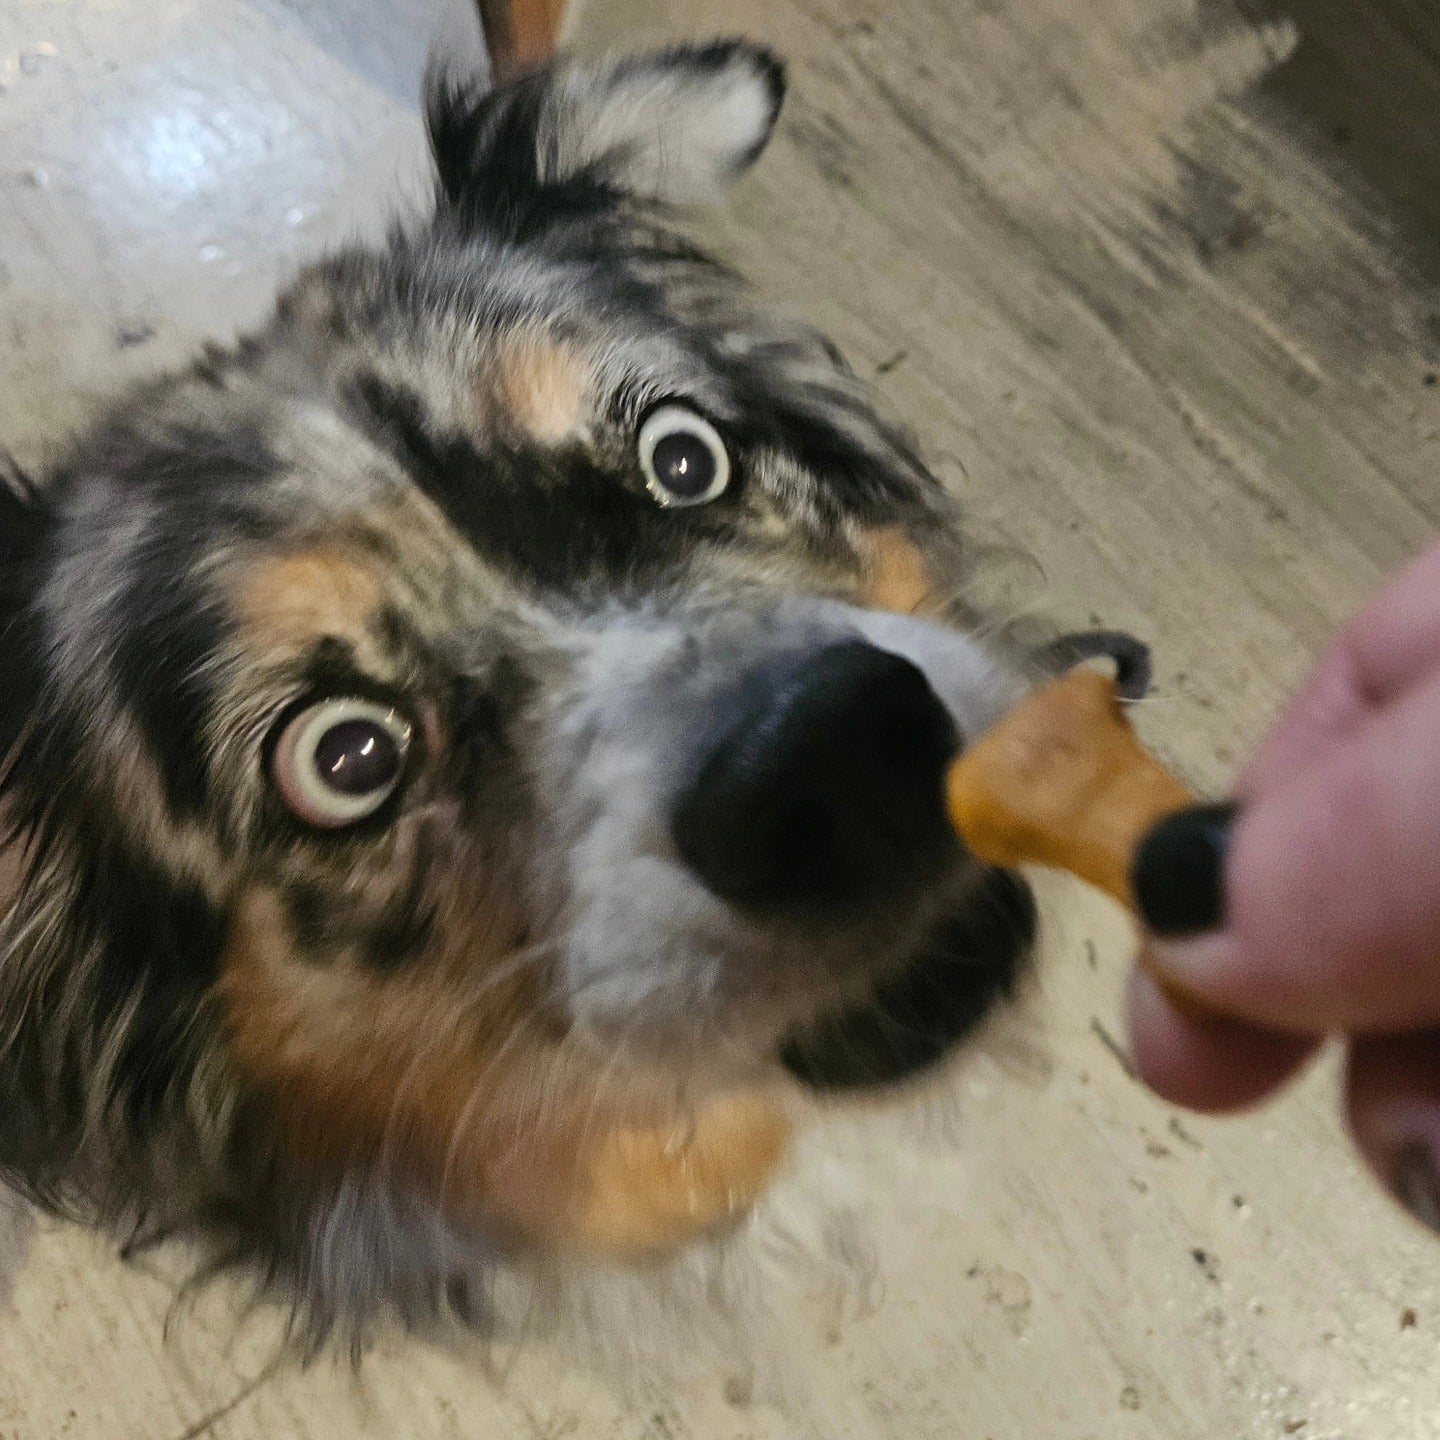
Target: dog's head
476	688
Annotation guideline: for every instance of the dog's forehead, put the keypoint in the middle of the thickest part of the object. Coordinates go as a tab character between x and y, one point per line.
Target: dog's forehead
619	319
449	411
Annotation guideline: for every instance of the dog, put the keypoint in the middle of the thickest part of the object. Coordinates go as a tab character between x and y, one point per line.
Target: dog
477	709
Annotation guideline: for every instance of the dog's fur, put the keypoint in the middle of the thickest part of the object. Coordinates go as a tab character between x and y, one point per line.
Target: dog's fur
349	1058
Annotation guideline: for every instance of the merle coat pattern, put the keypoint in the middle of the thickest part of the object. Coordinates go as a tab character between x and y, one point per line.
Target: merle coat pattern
352	1055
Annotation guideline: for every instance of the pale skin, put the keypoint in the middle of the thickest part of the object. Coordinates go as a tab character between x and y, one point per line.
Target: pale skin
1332	886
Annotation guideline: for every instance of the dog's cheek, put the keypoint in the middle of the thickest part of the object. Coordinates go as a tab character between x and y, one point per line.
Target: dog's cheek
459	1098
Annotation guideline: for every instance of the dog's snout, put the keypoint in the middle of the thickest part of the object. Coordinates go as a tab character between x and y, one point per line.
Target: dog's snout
829	787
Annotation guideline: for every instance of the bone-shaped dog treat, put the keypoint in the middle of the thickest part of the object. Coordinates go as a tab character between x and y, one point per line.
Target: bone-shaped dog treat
1062	780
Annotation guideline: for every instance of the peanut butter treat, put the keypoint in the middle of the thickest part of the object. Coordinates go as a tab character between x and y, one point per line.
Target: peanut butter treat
1064	781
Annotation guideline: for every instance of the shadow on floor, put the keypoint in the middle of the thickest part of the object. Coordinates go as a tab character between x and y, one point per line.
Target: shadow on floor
1364	85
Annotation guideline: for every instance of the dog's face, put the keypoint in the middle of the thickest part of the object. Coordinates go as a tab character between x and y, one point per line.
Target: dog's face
477	687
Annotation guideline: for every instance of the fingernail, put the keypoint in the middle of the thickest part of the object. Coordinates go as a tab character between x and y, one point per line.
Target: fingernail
1415	1183
1179	873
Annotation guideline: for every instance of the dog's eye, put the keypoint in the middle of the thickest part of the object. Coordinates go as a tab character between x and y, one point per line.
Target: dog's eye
683	457
339	760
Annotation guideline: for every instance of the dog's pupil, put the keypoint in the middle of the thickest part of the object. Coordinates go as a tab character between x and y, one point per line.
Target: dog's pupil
357	757
683	464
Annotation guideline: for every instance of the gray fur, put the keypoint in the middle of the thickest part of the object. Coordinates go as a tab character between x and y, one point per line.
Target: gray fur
645	947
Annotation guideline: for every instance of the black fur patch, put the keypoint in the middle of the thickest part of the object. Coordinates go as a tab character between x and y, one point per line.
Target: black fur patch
486	156
408	924
23	514
310	918
168	629
156	945
321	924
481	719
25	527
169	633
552	519
915	1019
162	942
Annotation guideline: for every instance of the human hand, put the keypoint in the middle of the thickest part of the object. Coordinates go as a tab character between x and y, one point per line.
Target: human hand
1311	907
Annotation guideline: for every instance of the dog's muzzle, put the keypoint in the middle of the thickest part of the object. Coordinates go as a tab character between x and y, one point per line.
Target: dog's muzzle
823	784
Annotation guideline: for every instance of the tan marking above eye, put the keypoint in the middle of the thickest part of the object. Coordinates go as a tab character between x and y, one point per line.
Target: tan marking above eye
285	602
542	387
897	577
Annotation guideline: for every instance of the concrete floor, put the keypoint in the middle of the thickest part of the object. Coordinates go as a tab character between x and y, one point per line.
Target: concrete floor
1153	281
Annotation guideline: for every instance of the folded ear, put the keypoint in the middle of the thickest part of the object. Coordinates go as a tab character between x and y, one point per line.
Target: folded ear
673	127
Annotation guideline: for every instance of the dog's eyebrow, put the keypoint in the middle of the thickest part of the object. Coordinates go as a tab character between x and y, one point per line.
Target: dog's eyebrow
449	469
554	517
443	467
528	527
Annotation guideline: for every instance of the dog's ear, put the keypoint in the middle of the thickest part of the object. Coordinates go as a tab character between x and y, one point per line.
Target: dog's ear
25	524
673	127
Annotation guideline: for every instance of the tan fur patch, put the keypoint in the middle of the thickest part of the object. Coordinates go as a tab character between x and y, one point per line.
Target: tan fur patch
286	601
469	1101
650	1187
543	387
368	1072
897	577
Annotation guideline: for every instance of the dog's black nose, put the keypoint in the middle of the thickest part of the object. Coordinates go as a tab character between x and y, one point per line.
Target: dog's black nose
828	788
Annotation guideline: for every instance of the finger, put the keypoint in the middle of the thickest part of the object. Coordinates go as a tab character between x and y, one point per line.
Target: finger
1393	1095
1331	706
1206	1063
1331	904
1390	647
1395	640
